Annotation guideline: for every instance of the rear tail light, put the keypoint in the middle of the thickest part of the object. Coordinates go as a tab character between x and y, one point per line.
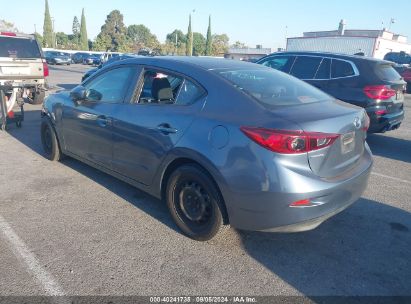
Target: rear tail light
289	142
379	92
45	68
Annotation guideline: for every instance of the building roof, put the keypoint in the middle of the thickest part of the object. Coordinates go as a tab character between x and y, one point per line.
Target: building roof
249	51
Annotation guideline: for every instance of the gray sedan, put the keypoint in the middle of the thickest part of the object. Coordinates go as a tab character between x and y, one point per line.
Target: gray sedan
220	141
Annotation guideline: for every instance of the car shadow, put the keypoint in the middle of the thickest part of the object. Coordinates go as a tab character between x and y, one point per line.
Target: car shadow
365	250
29	135
390	147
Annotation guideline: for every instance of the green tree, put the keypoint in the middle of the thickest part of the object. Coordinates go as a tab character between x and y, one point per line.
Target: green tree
62	40
176	43
7	26
76	26
76	32
83	33
72	42
141	37
189	44
48	39
209	41
199	44
220	44
239	45
113	34
39	38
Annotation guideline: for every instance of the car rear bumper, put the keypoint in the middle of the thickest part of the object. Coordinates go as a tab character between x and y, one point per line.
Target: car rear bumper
271	211
387	122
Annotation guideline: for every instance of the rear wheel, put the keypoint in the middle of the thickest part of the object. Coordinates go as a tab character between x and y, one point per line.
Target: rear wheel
49	141
194	202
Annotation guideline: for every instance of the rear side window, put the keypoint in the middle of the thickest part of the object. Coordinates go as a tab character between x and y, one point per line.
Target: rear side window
324	69
23	48
386	72
272	88
281	63
165	88
306	67
189	93
340	69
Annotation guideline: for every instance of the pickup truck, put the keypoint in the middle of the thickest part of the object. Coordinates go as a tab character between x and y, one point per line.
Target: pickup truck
23	69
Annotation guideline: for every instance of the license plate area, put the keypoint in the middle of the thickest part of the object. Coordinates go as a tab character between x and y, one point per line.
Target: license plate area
347	142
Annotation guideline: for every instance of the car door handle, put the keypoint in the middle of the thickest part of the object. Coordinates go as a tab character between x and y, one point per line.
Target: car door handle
104	121
166	129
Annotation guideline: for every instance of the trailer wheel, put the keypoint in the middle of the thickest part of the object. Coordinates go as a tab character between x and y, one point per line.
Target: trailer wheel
38	97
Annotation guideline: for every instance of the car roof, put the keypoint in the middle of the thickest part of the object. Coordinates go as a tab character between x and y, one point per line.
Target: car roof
205	63
332	55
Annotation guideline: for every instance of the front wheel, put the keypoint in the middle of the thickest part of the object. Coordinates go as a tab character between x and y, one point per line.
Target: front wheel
49	141
194	202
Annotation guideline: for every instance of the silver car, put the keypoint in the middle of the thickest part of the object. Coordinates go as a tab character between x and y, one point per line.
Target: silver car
222	142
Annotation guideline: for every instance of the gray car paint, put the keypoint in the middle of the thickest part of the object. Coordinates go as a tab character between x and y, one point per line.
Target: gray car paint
257	185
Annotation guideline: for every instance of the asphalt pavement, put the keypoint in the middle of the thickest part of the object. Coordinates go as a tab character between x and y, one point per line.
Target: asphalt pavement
68	229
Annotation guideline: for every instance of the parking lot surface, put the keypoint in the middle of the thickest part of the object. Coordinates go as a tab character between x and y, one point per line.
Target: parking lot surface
68	229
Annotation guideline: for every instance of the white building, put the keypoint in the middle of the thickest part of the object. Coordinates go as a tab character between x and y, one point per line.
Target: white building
373	43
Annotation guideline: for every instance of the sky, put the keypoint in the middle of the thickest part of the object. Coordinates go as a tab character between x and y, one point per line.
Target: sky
265	22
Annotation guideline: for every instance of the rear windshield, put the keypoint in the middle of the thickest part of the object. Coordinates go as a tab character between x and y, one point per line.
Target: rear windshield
273	88
387	72
19	48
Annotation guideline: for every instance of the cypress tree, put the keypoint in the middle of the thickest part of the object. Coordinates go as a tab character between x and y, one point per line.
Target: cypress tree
83	33
189	45
47	28
209	41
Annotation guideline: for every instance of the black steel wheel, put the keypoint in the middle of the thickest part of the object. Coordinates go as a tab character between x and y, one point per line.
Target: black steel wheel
194	202
49	140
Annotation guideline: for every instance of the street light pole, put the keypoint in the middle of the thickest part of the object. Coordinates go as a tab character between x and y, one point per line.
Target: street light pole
54	35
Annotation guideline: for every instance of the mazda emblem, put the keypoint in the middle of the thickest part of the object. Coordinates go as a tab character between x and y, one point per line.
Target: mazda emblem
357	123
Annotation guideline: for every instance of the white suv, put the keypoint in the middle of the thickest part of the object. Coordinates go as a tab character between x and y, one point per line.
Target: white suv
23	69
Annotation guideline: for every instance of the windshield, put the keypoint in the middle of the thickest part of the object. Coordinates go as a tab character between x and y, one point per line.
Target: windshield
387	72
21	48
273	88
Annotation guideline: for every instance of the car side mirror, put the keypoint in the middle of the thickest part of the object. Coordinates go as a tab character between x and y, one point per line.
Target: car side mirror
78	94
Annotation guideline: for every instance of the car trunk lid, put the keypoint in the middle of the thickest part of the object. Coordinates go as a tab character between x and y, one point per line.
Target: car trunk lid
335	117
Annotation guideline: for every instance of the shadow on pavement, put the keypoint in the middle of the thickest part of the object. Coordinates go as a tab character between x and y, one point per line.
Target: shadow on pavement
390	147
29	135
363	251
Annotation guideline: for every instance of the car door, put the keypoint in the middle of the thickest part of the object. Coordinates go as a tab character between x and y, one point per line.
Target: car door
345	83
87	125
147	128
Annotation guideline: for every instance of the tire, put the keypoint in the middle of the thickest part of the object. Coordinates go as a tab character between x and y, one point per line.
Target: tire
38	97
194	202
49	141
